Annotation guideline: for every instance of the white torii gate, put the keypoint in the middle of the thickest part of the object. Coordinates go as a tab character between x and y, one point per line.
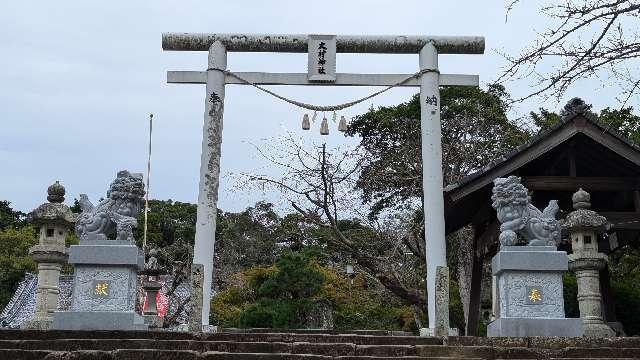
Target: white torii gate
215	78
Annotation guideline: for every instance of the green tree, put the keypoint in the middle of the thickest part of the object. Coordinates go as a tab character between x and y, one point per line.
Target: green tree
624	266
545	119
475	130
14	259
269	296
245	239
171	227
284	297
623	121
570	293
10	217
75	208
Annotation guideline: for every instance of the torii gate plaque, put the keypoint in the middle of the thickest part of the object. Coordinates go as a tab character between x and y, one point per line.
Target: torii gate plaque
428	48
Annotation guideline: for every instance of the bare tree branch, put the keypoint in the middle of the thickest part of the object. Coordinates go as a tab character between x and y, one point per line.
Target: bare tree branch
320	186
589	39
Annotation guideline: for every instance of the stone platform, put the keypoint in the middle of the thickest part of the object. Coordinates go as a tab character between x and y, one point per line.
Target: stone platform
104	287
156	345
528	285
522	327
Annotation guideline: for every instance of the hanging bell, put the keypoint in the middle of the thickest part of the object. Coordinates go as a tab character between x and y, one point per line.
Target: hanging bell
324	127
306	125
342	126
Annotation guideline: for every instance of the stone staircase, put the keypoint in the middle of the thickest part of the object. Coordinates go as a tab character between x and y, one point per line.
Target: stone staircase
164	345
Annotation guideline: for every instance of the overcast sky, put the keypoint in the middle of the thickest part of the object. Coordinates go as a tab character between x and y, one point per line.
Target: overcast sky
79	79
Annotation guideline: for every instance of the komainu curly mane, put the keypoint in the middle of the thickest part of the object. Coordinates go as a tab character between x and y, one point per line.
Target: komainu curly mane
518	216
509	191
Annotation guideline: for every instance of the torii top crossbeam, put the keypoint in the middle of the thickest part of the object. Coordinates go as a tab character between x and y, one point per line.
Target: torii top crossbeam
386	44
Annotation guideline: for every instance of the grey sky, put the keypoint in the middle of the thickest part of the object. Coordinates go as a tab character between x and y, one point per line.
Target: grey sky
79	79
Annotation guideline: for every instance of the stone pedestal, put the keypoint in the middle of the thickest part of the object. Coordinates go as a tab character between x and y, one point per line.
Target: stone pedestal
529	293
442	301
104	287
195	316
442	327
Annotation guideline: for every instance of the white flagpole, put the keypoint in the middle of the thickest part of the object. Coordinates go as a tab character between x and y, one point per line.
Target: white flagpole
146	196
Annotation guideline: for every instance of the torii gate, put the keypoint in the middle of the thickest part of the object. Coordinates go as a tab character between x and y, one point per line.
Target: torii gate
429	79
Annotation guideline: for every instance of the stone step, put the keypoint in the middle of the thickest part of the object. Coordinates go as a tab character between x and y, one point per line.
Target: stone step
320	349
182	355
201	346
328	349
192	355
532	342
243	337
317	331
544	342
159	345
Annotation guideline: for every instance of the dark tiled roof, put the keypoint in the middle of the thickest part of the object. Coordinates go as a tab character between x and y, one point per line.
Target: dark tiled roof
566	121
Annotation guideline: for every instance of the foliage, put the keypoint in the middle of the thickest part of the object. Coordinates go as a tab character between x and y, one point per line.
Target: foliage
624	121
170	229
284	297
296	277
228	304
286	294
475	130
570	293
545	119
70	239
627	302
624	265
14	259
248	238
10	217
363	304
76	208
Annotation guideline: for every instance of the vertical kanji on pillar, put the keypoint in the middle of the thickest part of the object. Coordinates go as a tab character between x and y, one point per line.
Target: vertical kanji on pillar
203	249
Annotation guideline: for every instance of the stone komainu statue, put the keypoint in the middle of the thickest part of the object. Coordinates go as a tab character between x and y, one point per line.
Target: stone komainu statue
517	215
115	216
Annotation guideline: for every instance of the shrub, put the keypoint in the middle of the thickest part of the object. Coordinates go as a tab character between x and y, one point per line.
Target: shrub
626	293
288	294
570	293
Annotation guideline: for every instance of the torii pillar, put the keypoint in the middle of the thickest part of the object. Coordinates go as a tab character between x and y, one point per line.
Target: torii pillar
203	248
428	48
432	182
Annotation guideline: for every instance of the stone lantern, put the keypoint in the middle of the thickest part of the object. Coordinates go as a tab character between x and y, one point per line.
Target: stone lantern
53	220
584	226
152	287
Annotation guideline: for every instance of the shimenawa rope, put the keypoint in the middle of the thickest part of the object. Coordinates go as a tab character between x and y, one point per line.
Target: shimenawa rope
328	107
